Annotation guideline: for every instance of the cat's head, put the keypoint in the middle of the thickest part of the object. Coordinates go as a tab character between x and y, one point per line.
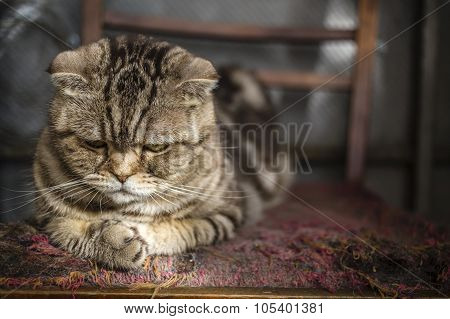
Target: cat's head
130	113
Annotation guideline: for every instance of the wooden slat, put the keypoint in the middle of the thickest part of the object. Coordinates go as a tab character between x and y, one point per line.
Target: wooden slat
202	293
362	89
210	30
426	109
191	293
303	81
92	21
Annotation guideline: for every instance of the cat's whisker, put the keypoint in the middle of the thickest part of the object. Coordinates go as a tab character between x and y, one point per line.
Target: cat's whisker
105	202
100	203
204	188
170	195
95	194
28	202
74	192
33	193
66	191
70	192
193	195
84	196
165	199
42	189
207	195
32	184
157	203
62	197
15	197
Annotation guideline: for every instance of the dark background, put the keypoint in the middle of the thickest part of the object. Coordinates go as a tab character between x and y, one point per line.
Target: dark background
411	100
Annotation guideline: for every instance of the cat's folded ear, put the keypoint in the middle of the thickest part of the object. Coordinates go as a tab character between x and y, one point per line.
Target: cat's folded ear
66	72
200	78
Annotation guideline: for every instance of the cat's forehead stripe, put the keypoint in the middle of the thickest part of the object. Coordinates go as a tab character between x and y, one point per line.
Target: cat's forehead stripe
146	55
135	66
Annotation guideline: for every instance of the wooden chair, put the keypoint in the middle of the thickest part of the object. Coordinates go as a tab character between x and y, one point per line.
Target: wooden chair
335	198
95	19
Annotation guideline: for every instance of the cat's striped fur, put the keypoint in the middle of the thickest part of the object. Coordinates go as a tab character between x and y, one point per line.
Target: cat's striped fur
131	162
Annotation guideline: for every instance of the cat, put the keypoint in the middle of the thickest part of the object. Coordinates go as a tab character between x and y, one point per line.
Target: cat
132	161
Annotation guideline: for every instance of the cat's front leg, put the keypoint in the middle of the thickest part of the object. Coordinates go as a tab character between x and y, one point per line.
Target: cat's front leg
113	243
119	245
180	235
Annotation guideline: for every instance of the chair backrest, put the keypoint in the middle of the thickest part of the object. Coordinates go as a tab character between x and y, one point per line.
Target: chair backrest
95	18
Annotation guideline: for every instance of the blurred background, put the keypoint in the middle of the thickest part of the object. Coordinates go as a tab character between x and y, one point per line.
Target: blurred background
408	154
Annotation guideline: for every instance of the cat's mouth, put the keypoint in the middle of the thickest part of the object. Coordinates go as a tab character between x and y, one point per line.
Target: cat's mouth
124	190
124	193
124	196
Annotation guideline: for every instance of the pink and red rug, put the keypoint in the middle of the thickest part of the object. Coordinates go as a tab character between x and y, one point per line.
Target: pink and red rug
343	239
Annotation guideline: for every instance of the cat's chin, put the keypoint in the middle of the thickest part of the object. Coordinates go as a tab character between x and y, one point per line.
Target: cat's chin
123	197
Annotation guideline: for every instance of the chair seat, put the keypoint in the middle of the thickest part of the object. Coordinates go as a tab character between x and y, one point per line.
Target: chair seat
332	239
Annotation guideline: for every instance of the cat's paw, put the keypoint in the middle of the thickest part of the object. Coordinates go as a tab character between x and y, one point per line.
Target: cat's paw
125	248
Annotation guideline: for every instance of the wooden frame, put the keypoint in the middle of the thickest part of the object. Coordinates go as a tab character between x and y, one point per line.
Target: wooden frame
202	293
218	31
362	91
94	20
426	98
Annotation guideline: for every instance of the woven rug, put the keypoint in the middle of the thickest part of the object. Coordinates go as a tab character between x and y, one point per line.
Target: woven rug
332	236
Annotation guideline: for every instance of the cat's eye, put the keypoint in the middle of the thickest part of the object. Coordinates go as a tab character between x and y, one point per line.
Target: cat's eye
98	144
156	148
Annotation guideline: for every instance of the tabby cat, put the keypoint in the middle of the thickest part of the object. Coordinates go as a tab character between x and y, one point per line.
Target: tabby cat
133	163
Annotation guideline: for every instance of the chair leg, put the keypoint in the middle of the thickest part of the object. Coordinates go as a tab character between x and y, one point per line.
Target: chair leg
92	21
361	90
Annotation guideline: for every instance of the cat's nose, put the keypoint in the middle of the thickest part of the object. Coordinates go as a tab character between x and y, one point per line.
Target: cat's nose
123	164
122	178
